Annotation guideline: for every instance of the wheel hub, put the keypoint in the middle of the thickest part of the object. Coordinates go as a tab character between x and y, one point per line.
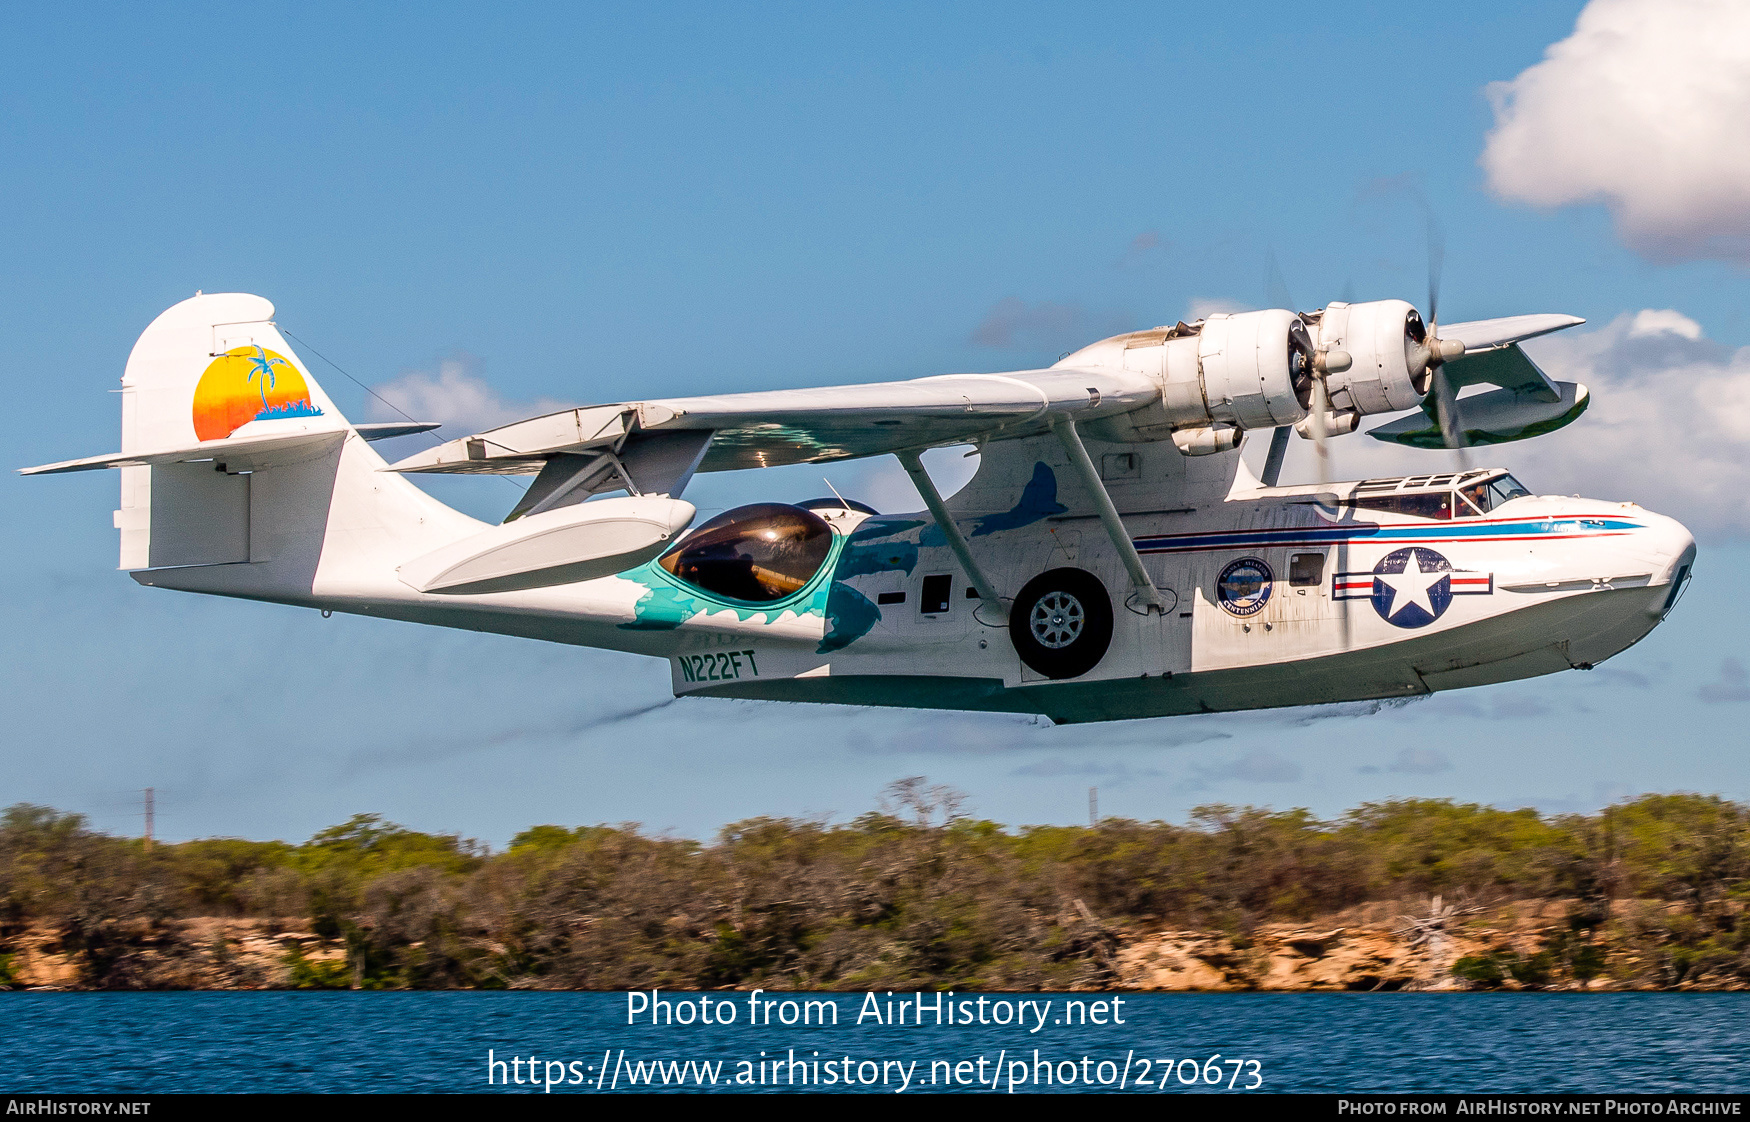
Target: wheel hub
1056	620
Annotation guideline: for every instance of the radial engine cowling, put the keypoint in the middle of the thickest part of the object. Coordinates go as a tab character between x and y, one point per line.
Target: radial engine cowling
1382	338
1252	370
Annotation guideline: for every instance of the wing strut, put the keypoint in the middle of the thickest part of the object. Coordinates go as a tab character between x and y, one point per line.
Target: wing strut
926	486
1084	468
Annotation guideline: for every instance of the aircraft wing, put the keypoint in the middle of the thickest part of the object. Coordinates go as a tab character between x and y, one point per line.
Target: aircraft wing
770	428
1492	354
1483	334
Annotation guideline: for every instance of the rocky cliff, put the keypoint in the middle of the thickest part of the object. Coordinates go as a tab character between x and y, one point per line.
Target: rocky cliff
1403	945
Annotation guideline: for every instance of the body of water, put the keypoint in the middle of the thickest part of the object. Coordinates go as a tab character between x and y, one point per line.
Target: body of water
1154	1043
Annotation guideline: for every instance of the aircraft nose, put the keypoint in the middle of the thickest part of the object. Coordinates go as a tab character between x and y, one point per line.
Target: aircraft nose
1668	547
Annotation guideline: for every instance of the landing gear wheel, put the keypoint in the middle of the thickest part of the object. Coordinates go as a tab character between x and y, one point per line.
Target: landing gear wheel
1061	623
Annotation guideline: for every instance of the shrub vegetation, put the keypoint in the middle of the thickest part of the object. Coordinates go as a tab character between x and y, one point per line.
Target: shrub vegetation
915	894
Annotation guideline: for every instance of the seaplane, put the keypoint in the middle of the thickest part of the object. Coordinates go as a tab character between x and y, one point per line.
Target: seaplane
1111	558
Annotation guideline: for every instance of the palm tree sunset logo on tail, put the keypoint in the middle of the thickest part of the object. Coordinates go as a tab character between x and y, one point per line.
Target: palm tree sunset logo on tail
247	384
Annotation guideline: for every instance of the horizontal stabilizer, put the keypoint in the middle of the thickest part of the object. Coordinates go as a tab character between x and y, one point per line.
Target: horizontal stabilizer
383	430
246	450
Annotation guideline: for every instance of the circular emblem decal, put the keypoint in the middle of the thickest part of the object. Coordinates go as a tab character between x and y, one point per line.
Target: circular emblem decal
1244	586
1412	587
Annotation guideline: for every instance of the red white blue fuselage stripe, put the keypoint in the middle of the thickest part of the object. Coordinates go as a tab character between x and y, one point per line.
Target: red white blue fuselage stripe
1464	530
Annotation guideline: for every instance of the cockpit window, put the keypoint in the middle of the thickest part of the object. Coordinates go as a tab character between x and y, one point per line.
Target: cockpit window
1506	488
757	553
1473	500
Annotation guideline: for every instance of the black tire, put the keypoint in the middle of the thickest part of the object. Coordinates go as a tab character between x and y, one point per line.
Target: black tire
1061	623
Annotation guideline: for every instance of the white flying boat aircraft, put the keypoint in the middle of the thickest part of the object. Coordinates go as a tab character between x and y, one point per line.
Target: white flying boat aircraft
1112	557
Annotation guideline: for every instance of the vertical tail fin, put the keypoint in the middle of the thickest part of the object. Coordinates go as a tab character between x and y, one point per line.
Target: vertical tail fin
270	491
210	366
204	369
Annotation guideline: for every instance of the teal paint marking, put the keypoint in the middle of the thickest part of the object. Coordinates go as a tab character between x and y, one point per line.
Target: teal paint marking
666	603
1038	501
663	607
849	616
870	549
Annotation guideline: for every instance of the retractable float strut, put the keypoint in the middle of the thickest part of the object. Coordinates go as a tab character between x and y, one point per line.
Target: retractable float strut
1083	465
926	486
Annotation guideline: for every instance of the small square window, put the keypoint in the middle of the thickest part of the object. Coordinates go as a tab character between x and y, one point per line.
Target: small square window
890	598
937	594
1306	569
1121	465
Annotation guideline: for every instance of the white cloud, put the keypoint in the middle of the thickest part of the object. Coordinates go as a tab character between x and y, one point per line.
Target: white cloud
1654	321
1668	427
1642	108
456	395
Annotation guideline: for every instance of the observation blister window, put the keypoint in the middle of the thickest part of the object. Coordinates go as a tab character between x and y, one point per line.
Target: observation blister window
756	554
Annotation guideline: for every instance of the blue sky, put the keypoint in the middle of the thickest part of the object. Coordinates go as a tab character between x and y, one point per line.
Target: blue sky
598	205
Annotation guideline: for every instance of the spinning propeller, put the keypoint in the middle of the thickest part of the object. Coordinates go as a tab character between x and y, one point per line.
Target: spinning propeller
1427	356
1432	353
1316	365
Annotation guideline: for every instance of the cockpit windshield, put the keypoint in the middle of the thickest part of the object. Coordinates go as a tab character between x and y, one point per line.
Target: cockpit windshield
757	553
1505	488
1489	494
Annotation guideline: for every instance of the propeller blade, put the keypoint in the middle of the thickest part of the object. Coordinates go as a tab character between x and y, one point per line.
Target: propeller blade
1436	264
1446	409
1446	412
1276	294
1321	404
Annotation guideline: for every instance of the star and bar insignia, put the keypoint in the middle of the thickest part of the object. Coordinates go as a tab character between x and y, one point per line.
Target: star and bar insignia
1411	587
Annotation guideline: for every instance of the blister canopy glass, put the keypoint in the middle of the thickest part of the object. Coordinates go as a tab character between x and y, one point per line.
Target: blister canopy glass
757	553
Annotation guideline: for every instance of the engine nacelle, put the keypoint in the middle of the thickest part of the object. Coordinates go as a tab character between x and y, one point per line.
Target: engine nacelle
1381	337
1208	440
1249	370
